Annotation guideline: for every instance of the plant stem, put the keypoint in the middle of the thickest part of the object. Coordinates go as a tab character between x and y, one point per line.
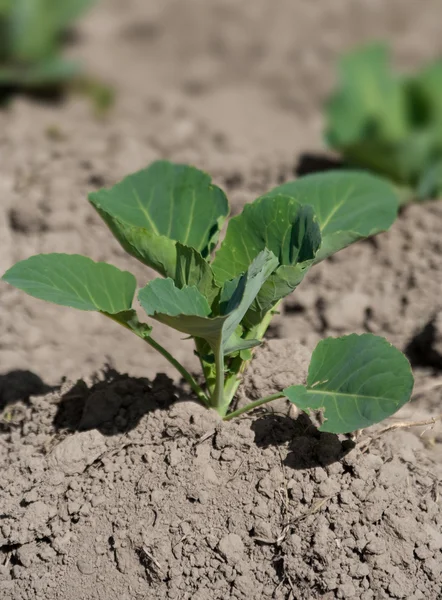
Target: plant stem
146	337
208	375
217	400
239	366
179	367
252	405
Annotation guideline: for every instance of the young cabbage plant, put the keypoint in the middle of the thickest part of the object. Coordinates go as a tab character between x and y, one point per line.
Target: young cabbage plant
169	217
388	123
30	39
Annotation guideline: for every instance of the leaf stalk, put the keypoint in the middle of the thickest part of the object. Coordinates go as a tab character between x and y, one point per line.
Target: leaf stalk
166	354
253	405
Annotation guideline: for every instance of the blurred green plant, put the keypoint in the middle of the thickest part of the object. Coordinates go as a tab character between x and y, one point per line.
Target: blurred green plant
31	35
389	123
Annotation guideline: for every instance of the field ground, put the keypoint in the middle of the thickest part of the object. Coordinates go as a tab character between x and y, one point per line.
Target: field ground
113	490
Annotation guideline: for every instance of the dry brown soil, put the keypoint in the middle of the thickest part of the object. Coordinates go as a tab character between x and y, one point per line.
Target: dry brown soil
119	487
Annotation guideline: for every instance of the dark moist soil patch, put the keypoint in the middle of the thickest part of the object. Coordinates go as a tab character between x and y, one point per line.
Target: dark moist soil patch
165	501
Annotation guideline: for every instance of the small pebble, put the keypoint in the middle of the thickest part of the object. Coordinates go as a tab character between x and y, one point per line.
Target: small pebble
85	567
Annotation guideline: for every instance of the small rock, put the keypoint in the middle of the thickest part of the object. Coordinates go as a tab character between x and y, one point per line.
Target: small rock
348	311
231	547
85	567
77	452
26	554
263	530
346	590
422	552
175	457
209	474
392	473
38	514
124	559
96	500
61	543
228	454
46	553
376	546
73	507
203	497
329	487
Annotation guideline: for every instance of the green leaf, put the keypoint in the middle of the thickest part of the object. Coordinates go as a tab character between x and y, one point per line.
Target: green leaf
370	103
74	280
188	311
30	39
287	277
277	223
192	270
425	90
161	296
34	27
386	123
129	319
236	344
287	229
356	381
430	184
348	206
32	31
152	209
67	12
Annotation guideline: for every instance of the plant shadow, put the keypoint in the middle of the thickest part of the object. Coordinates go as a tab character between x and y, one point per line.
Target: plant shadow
310	163
308	447
422	350
114	403
51	95
19	385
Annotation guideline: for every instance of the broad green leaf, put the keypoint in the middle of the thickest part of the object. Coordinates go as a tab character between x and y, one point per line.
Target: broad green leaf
356	381
348	206
188	311
285	227
74	280
166	203
287	277
5	7
277	223
370	102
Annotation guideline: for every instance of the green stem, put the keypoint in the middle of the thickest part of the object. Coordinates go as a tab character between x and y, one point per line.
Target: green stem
179	367
146	337
252	405
217	400
208	375
239	366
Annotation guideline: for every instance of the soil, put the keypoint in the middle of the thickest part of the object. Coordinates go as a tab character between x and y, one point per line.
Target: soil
115	484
